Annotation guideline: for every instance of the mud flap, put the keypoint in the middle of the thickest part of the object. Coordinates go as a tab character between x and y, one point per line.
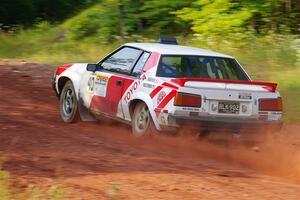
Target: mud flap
84	113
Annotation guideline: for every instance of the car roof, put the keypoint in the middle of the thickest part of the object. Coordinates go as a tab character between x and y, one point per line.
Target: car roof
171	49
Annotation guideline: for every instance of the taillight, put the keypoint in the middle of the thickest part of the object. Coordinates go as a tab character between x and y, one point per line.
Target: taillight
188	100
270	104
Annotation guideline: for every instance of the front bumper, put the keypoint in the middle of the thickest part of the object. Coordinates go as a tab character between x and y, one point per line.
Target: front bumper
225	124
53	84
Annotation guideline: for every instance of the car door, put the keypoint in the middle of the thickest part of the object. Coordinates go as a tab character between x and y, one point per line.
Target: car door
112	80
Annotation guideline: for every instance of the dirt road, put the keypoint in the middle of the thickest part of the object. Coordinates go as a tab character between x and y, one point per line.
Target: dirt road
103	161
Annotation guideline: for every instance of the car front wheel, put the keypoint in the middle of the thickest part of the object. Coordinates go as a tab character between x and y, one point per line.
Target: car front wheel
68	104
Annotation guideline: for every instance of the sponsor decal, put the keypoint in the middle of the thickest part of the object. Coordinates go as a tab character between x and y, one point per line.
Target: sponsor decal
153	80
147	85
165	101
245	96
133	88
101	85
190	109
160	97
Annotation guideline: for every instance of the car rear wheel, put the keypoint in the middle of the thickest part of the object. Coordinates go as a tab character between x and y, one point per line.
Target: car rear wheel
68	104
142	123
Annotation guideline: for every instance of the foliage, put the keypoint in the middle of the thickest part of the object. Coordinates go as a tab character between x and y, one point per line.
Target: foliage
116	19
227	17
158	14
112	19
27	12
100	18
218	17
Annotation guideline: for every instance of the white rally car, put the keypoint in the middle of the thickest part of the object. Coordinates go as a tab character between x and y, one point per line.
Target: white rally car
164	86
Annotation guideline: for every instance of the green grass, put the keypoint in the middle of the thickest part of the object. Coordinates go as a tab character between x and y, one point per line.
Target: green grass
48	44
4	186
31	193
289	86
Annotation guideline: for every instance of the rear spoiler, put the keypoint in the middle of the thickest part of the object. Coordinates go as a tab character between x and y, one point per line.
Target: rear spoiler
271	87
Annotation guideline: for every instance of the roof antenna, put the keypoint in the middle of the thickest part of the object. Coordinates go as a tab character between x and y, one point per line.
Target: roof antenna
167	40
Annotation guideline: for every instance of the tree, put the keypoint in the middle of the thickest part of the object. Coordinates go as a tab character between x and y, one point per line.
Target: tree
159	14
215	17
27	12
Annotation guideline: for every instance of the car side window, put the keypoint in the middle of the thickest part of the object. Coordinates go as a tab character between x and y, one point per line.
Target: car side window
122	61
169	66
140	64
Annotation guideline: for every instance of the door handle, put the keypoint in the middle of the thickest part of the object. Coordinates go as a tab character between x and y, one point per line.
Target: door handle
119	82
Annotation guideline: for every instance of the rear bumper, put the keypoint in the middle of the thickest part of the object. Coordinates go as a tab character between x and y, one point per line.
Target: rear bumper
226	124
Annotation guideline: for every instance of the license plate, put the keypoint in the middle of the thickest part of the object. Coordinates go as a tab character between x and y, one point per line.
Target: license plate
229	107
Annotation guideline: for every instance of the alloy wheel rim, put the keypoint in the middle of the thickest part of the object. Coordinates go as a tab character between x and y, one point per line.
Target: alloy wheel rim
68	102
142	119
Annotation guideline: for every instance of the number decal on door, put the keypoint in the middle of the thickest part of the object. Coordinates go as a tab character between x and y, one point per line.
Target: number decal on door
91	83
101	85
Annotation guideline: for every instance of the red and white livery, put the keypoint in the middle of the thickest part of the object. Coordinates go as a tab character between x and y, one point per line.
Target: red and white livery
164	86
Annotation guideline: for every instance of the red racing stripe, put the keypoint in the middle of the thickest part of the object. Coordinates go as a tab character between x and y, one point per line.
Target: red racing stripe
155	91
159	88
60	69
269	88
170	85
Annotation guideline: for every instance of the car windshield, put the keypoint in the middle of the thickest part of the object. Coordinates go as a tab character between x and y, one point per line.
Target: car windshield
182	66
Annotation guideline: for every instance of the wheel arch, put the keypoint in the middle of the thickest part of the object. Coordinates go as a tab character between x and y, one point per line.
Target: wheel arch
132	105
61	83
74	74
83	110
146	100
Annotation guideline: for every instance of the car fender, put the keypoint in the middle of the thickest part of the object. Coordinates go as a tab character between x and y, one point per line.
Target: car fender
148	101
74	73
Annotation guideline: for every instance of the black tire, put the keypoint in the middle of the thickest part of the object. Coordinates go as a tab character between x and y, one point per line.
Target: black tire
142	123
68	104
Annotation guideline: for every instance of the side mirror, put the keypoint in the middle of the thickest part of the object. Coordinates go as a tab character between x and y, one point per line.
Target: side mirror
91	67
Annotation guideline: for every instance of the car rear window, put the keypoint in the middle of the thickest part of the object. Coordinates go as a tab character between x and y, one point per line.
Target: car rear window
182	66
